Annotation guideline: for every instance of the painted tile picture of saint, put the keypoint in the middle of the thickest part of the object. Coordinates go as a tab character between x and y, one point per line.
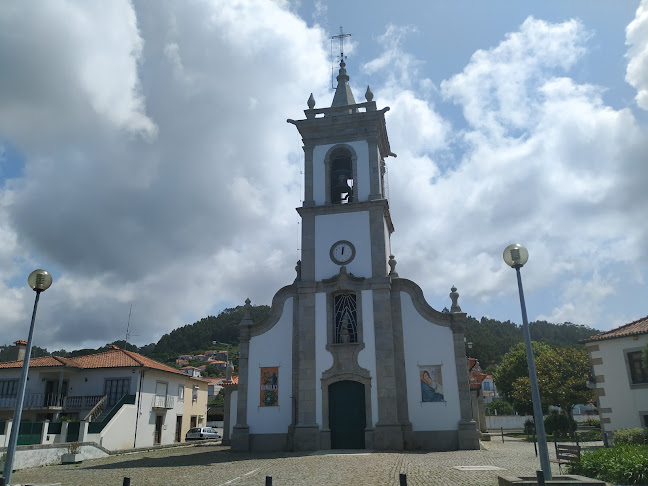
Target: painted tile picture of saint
269	387
431	383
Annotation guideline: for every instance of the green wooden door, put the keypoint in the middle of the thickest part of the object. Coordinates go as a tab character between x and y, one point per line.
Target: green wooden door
347	418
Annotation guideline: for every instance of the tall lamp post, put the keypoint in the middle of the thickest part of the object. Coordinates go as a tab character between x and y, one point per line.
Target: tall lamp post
39	280
227	368
516	256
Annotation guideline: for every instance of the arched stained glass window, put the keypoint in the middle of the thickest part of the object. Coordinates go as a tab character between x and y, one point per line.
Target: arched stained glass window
346	319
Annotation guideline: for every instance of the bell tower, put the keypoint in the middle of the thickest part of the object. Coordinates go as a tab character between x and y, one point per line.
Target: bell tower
345	147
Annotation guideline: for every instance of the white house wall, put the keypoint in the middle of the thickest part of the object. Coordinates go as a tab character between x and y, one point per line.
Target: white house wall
272	348
627	403
429	344
362	184
330	228
113	437
147	414
367	356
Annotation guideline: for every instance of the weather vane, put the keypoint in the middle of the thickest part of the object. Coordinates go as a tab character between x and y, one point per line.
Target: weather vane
340	37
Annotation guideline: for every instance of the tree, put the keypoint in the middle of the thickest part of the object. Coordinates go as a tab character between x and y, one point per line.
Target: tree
499	407
563	374
514	366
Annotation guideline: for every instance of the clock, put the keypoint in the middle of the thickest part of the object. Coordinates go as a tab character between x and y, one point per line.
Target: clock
342	252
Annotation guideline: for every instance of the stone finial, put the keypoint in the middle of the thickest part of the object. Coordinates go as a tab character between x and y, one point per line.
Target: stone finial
392	265
298	270
455	297
369	94
247	314
311	102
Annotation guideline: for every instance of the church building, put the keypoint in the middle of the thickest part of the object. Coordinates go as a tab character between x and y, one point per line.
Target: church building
351	356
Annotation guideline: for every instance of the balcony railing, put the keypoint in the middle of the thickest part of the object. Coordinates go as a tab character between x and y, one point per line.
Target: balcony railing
163	401
51	400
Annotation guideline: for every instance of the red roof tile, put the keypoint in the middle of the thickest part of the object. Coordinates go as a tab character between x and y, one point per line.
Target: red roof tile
113	358
640	326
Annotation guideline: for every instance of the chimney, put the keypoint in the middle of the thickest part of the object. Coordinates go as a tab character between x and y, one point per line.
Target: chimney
22	349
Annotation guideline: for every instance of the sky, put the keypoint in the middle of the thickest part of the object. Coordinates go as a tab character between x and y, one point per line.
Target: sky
146	162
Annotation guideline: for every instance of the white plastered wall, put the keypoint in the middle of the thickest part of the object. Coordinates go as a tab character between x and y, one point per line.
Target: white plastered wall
626	402
273	348
429	344
319	171
367	356
330	228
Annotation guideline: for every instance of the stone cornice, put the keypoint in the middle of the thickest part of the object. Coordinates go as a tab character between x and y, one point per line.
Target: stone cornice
347	126
453	321
276	310
353	207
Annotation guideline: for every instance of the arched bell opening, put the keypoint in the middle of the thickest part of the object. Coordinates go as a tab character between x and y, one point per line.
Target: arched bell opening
341	177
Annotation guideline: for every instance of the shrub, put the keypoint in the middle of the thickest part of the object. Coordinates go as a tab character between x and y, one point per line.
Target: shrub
73	447
621	464
502	406
529	427
590	422
636	435
591	435
558	424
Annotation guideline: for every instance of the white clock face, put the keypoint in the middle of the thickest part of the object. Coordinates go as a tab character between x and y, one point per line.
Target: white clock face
342	252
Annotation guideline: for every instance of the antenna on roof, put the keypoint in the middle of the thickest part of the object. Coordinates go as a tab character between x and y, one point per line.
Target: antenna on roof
340	37
128	334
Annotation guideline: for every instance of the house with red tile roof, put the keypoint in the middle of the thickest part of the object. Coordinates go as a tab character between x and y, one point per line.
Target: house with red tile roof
121	399
620	379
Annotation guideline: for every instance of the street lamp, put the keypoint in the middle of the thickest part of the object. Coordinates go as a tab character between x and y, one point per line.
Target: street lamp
227	368
39	281
516	256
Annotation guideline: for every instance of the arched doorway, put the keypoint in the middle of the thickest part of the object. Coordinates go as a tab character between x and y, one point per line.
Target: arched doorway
347	419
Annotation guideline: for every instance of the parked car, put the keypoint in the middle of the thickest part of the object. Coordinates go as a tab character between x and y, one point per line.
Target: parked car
202	433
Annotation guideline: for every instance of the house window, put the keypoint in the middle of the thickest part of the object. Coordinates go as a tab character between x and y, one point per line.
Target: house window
8	388
346	319
115	389
638	374
181	392
486	386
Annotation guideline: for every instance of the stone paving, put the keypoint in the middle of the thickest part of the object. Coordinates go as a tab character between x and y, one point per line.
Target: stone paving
215	465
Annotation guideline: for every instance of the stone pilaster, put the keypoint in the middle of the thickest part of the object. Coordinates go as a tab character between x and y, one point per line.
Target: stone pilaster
306	428
467	427
388	434
241	432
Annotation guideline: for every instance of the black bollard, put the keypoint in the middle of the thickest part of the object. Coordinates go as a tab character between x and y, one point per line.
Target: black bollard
268	481
403	479
502	429
126	482
540	476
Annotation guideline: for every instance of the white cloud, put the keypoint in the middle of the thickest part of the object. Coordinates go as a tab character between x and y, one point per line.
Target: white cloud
543	162
175	224
159	170
637	40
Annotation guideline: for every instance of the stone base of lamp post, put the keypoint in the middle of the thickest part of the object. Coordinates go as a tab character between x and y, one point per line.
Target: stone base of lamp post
567	480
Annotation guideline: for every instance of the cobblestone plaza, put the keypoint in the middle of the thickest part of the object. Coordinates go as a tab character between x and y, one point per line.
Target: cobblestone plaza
216	465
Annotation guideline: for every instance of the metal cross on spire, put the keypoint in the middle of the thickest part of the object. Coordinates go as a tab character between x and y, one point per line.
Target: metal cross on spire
341	37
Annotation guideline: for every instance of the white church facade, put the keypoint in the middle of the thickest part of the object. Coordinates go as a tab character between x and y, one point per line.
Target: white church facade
351	356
